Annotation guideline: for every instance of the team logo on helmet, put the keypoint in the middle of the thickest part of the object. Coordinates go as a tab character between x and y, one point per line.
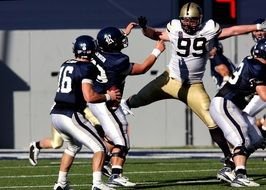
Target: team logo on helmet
108	39
84	46
111	39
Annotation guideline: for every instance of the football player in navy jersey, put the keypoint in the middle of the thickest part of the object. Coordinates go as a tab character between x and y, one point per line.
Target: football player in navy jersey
226	109
74	90
191	41
256	105
221	66
117	67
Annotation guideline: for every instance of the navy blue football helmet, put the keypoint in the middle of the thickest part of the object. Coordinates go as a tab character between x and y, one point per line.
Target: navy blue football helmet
260	49
84	46
111	39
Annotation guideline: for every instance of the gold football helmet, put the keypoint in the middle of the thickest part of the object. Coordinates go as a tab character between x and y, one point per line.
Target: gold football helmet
190	17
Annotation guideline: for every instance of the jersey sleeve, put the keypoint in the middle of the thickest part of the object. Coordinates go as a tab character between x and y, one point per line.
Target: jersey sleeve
126	67
173	28
89	73
211	29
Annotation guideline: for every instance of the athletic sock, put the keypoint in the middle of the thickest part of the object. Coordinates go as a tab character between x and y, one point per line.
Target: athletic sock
38	145
218	137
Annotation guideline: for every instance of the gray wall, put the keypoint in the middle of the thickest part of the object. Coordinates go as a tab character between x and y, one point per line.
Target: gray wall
36	37
29	88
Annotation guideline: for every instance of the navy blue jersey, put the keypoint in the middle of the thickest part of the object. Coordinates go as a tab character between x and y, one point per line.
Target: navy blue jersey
251	50
219	59
69	97
116	67
242	85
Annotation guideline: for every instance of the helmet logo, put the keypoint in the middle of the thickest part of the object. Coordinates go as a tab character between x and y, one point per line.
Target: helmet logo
83	46
108	39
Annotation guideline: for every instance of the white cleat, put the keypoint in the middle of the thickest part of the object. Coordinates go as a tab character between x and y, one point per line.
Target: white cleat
101	187
34	153
59	186
119	181
107	170
242	181
226	174
125	108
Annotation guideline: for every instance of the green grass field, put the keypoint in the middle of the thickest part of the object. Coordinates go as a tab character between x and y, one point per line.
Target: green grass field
197	174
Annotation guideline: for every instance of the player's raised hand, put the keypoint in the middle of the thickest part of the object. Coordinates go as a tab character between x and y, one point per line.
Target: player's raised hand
129	27
160	45
142	22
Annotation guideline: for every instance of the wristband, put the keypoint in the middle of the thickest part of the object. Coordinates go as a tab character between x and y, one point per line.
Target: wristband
156	52
226	78
124	33
258	26
107	97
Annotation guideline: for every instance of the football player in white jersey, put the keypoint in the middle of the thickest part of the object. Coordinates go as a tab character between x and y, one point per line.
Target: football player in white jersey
191	41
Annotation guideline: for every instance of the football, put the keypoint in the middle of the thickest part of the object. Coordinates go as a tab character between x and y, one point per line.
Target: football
113	104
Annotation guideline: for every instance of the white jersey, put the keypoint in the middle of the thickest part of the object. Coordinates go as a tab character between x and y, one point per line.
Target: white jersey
190	52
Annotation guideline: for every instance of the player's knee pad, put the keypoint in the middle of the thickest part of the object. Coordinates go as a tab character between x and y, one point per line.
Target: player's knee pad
72	150
241	150
121	153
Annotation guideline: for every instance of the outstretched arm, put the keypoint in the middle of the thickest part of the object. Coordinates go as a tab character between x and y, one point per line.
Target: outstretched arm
138	69
151	32
240	29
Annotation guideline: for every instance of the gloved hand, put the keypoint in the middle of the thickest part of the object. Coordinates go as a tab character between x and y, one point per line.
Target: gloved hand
142	22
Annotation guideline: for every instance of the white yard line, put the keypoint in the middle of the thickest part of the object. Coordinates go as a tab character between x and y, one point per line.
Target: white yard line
127	173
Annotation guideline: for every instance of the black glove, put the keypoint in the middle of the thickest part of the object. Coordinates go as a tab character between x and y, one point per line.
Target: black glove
142	22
